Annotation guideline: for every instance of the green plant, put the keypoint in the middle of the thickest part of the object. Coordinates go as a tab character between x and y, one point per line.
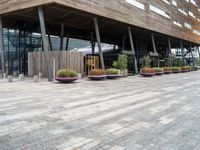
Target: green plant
186	68
65	73
167	69
146	61
121	63
178	62
168	61
176	69
97	72
195	68
112	71
158	70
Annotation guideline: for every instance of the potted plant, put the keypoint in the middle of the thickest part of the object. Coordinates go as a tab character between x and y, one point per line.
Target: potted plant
176	69
122	64
112	73
147	72
159	71
167	70
185	69
195	68
66	76
97	74
146	69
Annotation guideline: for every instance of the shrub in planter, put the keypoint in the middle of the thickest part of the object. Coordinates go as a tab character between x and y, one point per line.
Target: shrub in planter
167	70
147	72
195	68
185	69
122	64
158	71
112	73
176	69
97	74
66	76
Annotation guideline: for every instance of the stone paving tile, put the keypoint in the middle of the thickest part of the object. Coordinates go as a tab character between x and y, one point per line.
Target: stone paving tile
134	113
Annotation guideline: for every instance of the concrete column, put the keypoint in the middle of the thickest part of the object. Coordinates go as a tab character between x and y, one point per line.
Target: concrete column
2	46
45	42
99	43
133	50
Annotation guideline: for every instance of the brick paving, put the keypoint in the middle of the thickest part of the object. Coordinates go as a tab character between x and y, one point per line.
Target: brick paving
134	113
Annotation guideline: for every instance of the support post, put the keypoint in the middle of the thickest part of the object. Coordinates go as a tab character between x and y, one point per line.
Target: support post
67	44
123	43
49	38
2	46
170	46
45	43
92	43
183	56
153	42
198	50
99	43
62	36
133	50
154	48
192	55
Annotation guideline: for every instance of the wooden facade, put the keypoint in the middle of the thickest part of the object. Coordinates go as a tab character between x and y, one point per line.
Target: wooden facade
174	14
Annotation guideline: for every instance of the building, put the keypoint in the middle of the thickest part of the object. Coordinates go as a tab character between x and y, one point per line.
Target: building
139	26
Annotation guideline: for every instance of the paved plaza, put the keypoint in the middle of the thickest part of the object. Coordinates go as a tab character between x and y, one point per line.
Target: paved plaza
134	113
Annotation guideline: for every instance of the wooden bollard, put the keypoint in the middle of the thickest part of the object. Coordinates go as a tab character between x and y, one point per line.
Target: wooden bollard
36	79
10	78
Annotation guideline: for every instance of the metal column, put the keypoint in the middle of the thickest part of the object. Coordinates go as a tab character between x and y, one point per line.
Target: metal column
67	44
133	50
99	43
192	55
154	48
170	46
183	56
153	42
49	38
92	43
198	50
45	43
62	36
2	47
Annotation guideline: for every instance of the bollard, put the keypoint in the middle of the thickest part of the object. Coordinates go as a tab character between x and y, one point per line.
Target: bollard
79	76
40	75
10	78
36	79
21	77
1	76
4	75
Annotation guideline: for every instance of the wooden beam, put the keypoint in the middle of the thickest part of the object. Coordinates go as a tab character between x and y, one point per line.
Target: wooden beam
62	36
45	43
99	43
133	50
2	47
